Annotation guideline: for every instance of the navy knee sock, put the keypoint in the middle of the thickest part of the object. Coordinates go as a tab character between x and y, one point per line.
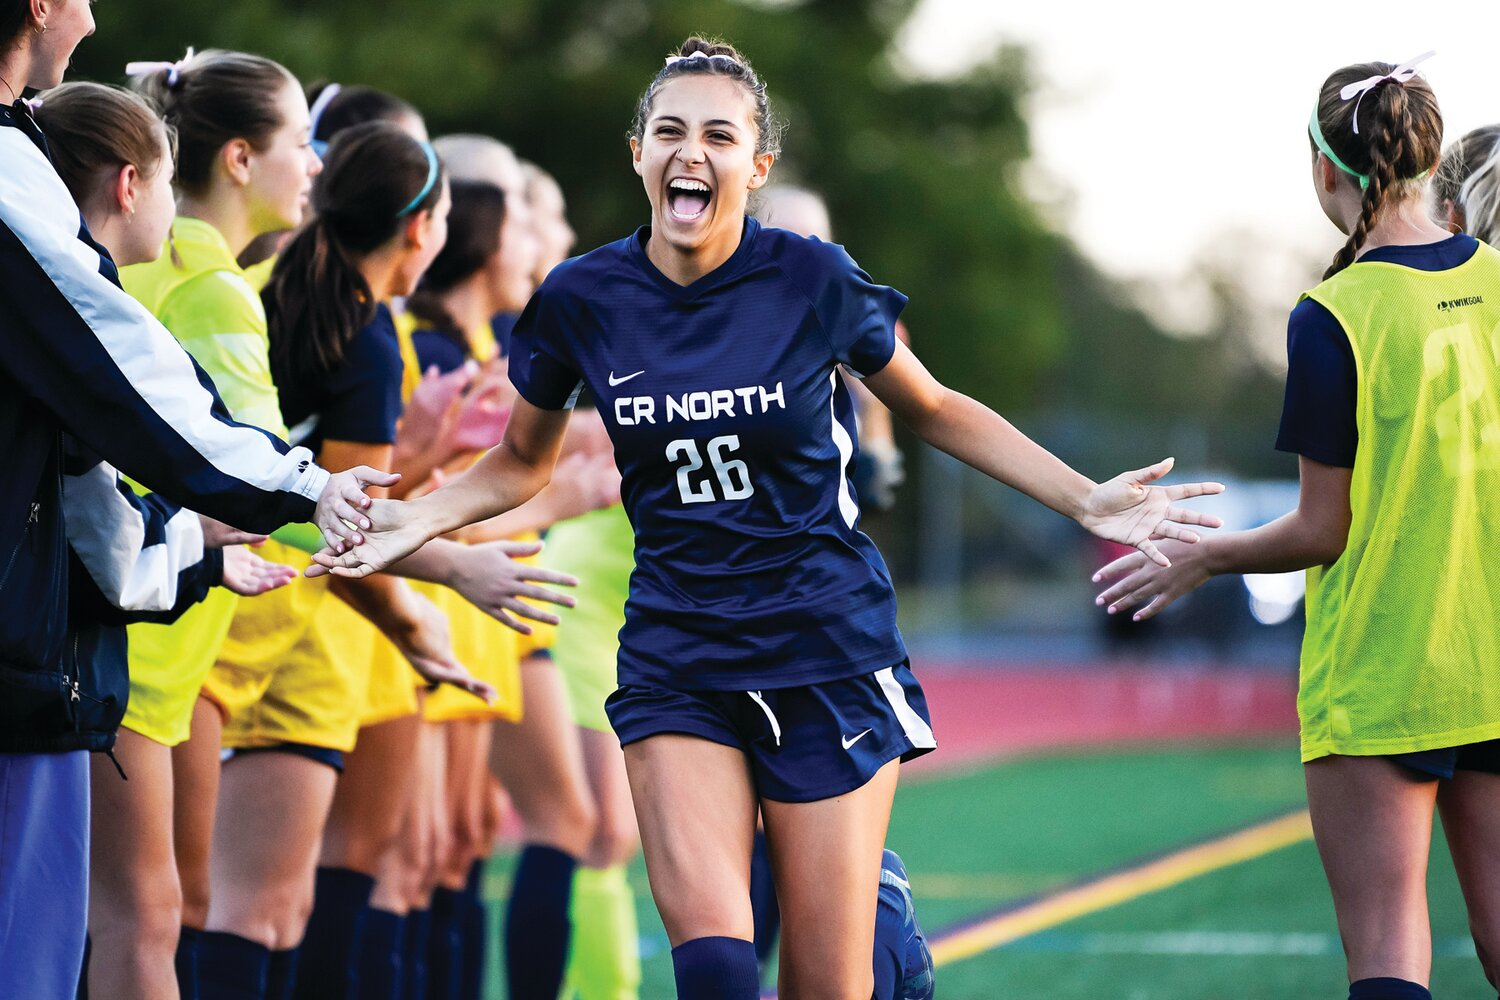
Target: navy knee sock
186	963
537	926
281	974
763	906
444	947
414	954
473	928
231	967
381	973
890	950
716	968
1386	988
330	949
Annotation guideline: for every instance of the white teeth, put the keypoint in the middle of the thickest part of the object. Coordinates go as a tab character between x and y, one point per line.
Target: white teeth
688	184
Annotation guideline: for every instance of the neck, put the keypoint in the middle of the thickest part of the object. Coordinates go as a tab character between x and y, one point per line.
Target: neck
226	214
685	266
1401	223
469	305
107	228
380	273
15	71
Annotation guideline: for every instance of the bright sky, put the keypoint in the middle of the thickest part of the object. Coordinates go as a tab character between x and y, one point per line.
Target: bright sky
1170	123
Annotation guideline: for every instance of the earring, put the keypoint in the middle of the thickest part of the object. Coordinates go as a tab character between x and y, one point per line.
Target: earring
40	31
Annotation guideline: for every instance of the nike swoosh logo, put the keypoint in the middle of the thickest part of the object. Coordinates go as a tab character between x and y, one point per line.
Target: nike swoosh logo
849	743
623	379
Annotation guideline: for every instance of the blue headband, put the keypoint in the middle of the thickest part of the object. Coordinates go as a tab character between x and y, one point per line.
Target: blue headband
432	176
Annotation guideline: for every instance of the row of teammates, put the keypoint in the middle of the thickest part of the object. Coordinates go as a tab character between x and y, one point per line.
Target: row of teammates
318	767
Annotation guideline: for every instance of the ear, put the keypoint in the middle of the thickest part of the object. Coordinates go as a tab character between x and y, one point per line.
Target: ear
125	189
762	172
635	155
418	230
1328	174
235	158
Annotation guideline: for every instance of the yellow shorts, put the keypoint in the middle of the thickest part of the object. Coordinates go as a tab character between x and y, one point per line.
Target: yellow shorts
168	664
287	673
489	650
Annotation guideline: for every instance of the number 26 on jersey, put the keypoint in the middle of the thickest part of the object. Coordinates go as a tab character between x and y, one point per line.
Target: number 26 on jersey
732	474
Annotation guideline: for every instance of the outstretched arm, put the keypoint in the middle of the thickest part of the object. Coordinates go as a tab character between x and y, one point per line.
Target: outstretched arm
1125	509
1312	535
507	476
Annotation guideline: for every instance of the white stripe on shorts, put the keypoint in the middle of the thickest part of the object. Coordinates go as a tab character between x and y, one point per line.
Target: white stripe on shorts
917	730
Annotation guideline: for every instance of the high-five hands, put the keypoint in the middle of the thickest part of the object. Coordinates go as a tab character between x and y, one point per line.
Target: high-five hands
1129	510
342	508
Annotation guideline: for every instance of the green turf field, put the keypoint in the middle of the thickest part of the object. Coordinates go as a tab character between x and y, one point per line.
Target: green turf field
979	840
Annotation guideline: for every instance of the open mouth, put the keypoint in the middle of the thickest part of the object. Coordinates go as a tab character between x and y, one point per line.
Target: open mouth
687	199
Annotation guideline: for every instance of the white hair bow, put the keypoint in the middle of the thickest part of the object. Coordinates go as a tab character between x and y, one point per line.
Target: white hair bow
700	54
173	69
1400	74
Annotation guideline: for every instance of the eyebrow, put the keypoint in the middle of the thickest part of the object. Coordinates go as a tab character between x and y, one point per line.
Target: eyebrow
714	123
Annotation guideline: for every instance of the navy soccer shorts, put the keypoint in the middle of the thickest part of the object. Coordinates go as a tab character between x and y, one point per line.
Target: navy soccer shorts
804	743
1442	763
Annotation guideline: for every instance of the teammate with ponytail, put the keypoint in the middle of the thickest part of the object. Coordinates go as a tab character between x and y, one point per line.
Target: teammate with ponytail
1393	407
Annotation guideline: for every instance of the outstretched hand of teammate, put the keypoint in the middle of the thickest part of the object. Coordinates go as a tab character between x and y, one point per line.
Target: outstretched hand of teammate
1134	579
248	575
342	508
1129	510
490	578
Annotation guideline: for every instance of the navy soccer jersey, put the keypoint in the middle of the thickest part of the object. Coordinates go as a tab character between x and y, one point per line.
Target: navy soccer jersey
735	436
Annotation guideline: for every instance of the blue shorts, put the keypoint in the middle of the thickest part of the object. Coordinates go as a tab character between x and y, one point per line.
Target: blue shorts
1440	764
804	743
318	755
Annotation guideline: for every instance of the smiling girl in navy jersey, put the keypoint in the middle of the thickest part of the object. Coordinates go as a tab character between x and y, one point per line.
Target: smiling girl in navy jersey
760	664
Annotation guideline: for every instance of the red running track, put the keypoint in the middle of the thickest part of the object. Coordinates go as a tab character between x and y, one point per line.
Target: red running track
981	712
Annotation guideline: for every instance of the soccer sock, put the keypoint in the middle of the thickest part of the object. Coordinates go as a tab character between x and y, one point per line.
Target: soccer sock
536	923
330	948
281	975
1386	988
474	929
414	954
444	947
605	961
186	963
890	949
716	968
231	967
380	972
763	906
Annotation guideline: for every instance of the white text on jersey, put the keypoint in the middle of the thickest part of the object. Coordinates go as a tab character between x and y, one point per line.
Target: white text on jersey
690	406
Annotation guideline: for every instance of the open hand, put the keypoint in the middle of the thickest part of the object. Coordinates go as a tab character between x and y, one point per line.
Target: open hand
341	509
248	575
1129	510
582	483
1135	579
490	578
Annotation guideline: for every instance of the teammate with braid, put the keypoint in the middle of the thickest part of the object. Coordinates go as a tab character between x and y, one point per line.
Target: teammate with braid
1393	405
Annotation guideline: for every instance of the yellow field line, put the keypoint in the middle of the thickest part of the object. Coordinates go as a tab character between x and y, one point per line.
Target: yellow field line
1123	886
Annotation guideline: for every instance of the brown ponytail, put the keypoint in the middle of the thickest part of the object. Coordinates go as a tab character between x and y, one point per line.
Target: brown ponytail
1399	141
374	179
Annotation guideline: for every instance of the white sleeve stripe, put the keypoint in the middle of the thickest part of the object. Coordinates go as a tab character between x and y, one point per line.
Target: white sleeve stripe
37	207
108	533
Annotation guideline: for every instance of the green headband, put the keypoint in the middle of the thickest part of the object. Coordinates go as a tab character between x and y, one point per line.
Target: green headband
1326	150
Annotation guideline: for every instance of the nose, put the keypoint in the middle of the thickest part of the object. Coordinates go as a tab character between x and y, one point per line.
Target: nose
691	151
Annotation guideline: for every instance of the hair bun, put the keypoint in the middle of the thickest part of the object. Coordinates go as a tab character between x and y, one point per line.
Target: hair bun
709	47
